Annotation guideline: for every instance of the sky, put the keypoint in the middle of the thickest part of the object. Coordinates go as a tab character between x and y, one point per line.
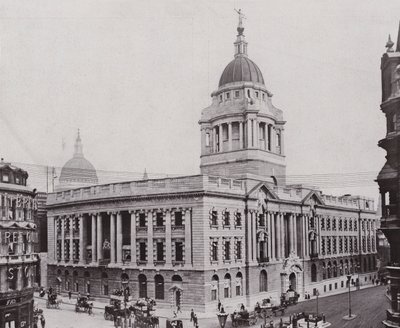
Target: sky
133	76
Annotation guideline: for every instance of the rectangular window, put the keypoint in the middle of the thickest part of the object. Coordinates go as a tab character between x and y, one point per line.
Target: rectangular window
227	250
256	94
228	95
261	221
214	218
6	178
142	220
220	98
237	94
226	292
239	250
227	218
238	219
179	251
263	96
214	251
160	251
207	139
237	290
105	289
159	219
213	295
178	219
142	251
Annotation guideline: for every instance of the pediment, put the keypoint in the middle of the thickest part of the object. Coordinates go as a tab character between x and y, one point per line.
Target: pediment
313	198
262	191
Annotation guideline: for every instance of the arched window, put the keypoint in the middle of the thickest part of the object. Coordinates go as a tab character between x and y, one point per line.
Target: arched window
329	269
142	286
67	281
227	286
87	281
75	279
239	280
346	267
263	281
323	270
365	265
159	282
124	278
334	269
176	278
313	272
341	272
214	287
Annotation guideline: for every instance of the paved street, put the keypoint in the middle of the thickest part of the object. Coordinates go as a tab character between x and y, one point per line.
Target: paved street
369	305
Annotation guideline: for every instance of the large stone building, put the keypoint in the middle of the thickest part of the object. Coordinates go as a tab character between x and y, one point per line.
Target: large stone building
235	233
389	177
17	238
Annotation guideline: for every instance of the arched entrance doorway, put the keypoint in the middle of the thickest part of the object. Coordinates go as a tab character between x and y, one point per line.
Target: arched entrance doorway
292	281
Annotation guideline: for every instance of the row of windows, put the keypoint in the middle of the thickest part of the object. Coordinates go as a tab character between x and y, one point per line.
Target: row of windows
347	244
237	94
226	250
334	224
176	219
226	217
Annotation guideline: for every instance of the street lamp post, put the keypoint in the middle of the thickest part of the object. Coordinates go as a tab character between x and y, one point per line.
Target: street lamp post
222	316
350	316
126	294
317	294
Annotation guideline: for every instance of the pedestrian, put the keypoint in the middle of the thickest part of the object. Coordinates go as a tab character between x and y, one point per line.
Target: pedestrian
222	309
195	320
88	296
42	321
192	315
219	305
79	295
178	308
242	307
69	294
90	312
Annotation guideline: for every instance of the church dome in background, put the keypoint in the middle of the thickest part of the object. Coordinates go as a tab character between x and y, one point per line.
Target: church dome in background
241	69
78	171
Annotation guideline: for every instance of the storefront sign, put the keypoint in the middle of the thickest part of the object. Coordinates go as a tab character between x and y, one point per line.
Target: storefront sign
7	237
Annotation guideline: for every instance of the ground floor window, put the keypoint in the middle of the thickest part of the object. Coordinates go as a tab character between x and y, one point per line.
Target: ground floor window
105	289
238	291
213	295
76	287
226	292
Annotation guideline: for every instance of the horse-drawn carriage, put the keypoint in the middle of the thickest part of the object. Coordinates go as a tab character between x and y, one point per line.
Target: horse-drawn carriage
174	323
82	304
142	311
53	302
243	318
289	298
114	309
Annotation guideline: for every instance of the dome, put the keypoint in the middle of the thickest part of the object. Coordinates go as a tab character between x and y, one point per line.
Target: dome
241	69
78	169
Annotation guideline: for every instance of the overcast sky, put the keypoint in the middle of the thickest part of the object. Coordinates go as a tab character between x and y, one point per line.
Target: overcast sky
135	75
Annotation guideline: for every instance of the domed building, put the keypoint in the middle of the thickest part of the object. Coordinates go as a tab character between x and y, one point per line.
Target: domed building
78	171
235	233
242	131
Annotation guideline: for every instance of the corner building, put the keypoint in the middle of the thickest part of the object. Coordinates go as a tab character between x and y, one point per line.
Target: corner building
235	232
389	176
18	261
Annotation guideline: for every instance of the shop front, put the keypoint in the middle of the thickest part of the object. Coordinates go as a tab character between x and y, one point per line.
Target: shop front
16	309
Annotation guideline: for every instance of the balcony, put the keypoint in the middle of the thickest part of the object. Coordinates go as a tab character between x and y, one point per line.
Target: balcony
159	262
178	227
141	262
263	259
159	229
141	229
104	262
314	255
178	263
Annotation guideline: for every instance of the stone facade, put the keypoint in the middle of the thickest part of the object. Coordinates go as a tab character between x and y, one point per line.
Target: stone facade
18	260
236	232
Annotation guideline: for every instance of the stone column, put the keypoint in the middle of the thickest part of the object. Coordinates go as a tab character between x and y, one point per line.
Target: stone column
248	237
269	225
248	125
291	233
188	237
168	238
94	252
307	241
282	143
254	234
230	136
273	253
81	243
214	140
220	138
266	136
278	236
240	135
119	237
133	237
282	227
99	238
273	139
71	239
62	238
150	255
256	133
295	232
112	237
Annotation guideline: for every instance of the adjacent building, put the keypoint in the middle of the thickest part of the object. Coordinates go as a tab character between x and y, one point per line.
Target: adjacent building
18	235
389	177
236	232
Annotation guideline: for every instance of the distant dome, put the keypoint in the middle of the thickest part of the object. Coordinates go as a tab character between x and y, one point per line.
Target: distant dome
78	171
241	69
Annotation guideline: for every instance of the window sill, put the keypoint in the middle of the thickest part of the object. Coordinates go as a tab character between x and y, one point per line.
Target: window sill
141	262
214	226
159	262
214	261
226	226
180	227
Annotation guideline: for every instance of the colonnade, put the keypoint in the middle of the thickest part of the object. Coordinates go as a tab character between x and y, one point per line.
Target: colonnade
250	136
77	237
